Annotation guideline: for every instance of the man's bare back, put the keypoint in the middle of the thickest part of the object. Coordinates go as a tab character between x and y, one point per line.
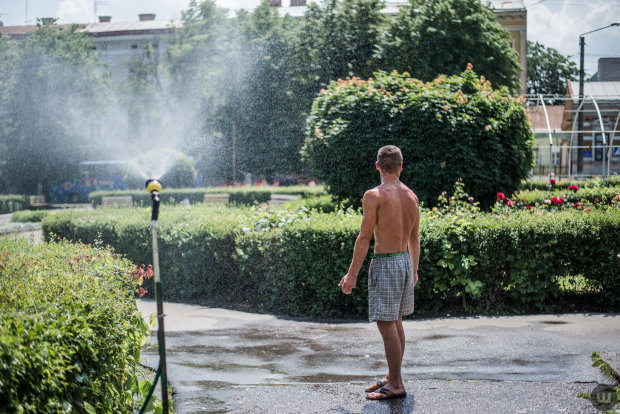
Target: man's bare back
396	207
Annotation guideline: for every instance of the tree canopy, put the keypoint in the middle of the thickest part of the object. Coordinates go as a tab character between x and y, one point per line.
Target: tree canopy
51	86
548	71
428	38
257	70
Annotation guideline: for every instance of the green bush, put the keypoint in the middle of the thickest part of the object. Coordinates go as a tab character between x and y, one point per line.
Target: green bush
25	216
13	202
70	330
455	127
181	174
290	262
238	195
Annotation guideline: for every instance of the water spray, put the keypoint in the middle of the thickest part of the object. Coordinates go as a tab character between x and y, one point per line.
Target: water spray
154	187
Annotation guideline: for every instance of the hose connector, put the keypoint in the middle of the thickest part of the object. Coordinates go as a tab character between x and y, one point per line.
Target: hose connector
154	187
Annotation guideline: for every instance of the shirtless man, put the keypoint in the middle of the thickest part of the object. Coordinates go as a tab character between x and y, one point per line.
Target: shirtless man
392	212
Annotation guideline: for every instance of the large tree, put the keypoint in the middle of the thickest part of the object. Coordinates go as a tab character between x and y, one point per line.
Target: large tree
548	71
338	39
428	38
54	91
263	104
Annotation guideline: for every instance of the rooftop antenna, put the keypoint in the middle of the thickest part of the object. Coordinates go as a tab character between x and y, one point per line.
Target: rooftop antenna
26	14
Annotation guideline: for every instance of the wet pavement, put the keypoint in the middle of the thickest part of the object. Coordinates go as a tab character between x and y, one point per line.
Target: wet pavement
228	361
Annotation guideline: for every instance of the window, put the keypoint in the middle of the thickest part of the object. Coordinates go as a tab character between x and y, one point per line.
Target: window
598	147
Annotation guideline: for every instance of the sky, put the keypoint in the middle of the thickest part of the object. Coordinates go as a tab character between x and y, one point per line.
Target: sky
554	23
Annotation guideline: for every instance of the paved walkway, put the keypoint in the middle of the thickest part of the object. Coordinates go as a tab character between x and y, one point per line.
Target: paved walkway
227	361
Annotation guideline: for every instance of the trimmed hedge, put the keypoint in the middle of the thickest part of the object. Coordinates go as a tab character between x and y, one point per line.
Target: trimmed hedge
26	216
238	195
290	263
70	330
8	203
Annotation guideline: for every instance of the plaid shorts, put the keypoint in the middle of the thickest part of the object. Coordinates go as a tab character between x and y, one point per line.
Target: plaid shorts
390	288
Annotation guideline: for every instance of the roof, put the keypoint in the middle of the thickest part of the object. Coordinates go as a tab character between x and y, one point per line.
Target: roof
20	31
537	119
601	91
102	29
119	28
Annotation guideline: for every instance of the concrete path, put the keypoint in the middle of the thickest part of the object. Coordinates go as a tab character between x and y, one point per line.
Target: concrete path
227	361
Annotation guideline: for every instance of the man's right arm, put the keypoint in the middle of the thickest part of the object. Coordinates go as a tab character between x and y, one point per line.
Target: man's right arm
414	242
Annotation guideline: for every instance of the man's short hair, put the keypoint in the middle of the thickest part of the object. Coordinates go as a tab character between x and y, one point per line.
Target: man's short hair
389	158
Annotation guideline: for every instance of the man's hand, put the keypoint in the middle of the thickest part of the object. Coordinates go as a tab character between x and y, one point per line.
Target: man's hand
415	277
347	283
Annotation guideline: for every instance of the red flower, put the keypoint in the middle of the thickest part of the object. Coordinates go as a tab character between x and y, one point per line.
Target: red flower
528	207
573	187
552	181
501	197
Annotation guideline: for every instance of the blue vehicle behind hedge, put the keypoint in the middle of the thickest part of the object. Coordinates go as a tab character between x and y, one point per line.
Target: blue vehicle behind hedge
76	191
96	175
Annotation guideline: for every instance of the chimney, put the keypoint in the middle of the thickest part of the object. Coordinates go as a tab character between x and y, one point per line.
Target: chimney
47	20
105	19
146	17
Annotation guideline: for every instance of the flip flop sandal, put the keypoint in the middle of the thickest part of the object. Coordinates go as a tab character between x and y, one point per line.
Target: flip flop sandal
379	384
385	394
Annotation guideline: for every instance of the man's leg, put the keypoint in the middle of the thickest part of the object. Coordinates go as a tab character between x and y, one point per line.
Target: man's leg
393	343
401	337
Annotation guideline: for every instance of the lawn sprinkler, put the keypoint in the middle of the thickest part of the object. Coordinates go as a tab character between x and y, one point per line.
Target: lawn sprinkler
154	187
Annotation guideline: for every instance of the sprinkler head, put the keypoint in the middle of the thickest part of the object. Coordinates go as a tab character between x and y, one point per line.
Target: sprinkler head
153	185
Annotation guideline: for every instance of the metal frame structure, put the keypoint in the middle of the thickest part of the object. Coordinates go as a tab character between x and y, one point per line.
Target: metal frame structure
607	149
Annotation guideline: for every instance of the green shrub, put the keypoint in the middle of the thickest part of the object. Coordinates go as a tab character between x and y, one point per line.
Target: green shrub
181	174
13	202
70	330
288	261
25	216
455	127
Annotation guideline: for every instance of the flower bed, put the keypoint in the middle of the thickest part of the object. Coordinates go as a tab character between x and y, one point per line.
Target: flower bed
71	332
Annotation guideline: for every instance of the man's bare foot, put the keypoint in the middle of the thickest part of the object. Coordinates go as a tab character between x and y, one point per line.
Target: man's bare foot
379	384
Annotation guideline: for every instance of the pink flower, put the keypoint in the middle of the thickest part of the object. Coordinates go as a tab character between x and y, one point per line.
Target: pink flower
547	201
523	199
528	207
510	203
538	213
501	197
573	187
470	198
